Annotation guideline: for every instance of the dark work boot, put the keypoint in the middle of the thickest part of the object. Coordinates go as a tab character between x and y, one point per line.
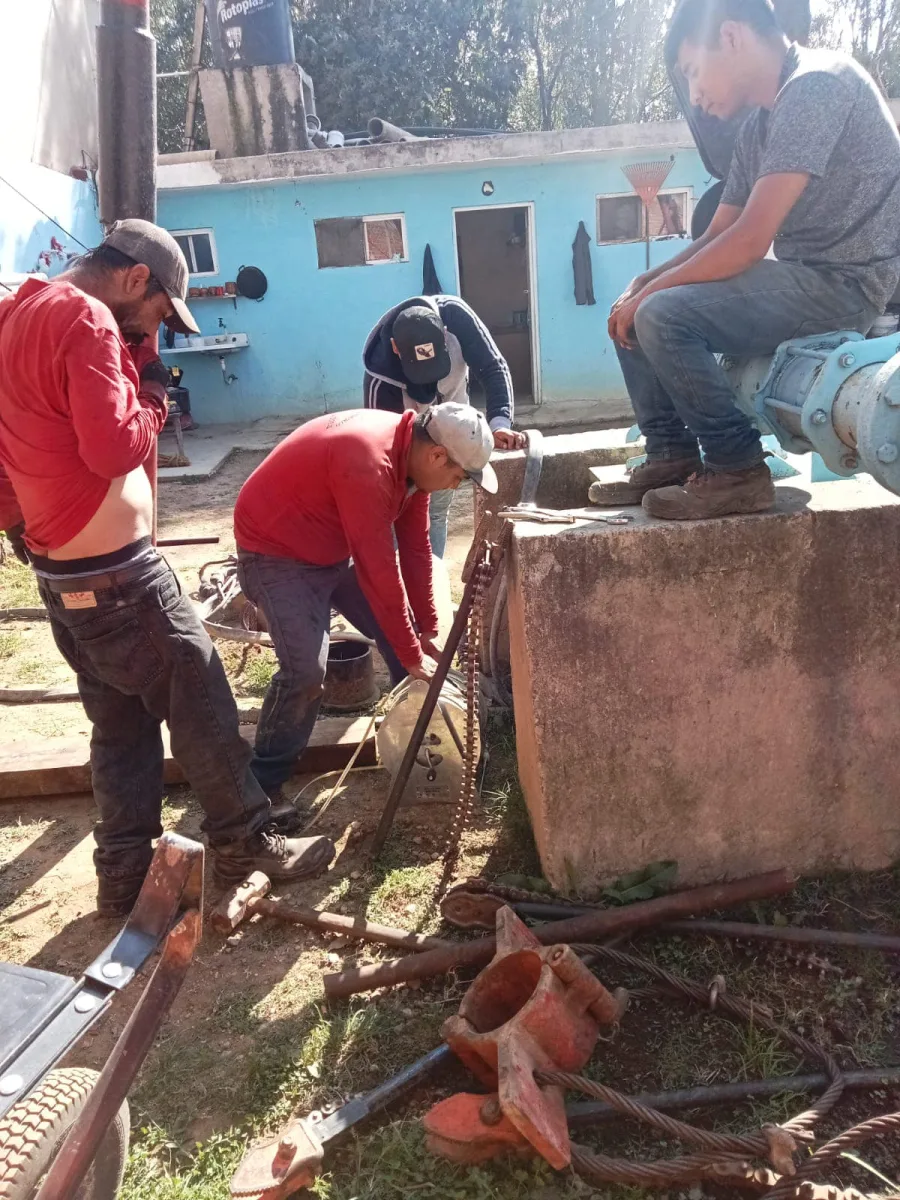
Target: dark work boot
287	819
641	479
714	494
282	859
117	895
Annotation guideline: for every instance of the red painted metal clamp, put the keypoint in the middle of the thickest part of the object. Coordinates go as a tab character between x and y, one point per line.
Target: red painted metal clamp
532	1008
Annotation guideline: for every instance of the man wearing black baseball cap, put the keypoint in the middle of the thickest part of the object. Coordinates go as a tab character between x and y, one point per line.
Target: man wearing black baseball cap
82	399
420	353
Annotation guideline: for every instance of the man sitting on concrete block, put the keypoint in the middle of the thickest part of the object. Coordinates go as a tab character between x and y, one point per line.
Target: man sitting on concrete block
341	488
816	171
420	353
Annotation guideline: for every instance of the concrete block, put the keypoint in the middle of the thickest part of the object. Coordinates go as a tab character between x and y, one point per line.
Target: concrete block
255	110
723	693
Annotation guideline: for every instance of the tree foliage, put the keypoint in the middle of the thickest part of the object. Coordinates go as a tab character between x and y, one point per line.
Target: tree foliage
499	64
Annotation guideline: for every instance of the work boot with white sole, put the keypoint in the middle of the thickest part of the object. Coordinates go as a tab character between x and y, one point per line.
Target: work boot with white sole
641	479
714	494
283	859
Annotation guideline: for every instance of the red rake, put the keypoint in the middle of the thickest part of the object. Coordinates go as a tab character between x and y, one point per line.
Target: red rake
646	179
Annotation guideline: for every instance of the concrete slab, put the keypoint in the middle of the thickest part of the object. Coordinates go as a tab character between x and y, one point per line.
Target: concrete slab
720	692
210	446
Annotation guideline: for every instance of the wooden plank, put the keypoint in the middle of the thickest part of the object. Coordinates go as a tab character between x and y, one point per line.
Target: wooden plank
38	694
61	766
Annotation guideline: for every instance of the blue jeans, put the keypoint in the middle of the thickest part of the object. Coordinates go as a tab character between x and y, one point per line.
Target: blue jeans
679	391
439	516
297	599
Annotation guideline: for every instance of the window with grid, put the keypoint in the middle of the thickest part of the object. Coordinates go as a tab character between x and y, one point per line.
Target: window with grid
199	249
361	241
621	218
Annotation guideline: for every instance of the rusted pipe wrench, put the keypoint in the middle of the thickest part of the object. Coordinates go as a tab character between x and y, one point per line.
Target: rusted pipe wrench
292	1159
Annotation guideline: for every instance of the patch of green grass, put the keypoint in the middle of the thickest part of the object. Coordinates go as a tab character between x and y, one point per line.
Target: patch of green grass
404	897
762	1054
18	586
160	1169
258	674
10	644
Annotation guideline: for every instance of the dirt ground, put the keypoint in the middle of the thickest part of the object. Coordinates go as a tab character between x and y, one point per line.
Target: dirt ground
251	1040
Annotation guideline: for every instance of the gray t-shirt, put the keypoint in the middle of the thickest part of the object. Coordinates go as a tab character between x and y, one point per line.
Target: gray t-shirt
830	121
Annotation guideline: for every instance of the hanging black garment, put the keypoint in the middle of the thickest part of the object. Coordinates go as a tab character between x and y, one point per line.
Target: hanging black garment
431	285
581	264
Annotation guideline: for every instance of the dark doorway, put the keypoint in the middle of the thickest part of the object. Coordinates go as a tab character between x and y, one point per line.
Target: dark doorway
493	248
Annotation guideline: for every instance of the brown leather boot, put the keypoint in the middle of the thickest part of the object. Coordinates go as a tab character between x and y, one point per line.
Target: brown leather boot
714	494
642	479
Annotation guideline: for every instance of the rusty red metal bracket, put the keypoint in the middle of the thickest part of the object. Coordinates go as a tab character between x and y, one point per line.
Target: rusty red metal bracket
532	1005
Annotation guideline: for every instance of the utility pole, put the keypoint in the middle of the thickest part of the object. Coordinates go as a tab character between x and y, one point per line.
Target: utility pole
126	92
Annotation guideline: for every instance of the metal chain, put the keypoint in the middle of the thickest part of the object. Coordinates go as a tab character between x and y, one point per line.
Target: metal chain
482	573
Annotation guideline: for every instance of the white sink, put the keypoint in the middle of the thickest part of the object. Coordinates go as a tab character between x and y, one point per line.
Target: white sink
216	344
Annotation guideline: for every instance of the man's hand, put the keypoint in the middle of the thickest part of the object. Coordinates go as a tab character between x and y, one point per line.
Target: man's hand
621	320
425	672
16	539
430	647
508	439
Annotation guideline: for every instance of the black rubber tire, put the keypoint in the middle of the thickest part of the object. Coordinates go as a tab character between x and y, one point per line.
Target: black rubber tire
32	1132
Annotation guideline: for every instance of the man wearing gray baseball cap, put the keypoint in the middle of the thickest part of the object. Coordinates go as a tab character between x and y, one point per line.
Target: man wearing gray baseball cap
82	399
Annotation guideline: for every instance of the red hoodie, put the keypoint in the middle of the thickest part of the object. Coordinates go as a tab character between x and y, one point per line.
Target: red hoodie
337	488
71	419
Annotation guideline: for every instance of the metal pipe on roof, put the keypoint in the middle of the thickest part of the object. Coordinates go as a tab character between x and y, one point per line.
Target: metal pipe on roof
383	131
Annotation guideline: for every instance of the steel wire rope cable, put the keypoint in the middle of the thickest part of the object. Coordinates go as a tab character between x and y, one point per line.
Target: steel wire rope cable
722	1156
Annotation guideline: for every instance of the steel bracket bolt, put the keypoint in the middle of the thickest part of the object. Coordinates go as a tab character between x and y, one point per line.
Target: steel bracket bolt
10	1084
849	462
820	417
846	360
112	970
887	453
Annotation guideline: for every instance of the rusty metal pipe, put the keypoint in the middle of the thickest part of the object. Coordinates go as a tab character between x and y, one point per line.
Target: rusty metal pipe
351	927
583	1114
432	696
585	928
776	933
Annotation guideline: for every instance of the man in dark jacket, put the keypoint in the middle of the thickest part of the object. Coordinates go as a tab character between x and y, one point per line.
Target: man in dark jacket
420	353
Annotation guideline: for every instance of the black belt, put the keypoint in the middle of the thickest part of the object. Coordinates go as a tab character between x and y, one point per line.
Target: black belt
94	583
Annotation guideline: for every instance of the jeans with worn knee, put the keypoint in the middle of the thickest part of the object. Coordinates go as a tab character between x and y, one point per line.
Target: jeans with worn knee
439	517
680	393
296	599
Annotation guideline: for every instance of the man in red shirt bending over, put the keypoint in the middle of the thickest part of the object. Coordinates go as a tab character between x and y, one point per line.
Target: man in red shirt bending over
342	488
79	414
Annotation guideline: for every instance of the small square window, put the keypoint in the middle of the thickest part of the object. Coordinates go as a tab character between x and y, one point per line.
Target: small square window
360	241
621	218
199	250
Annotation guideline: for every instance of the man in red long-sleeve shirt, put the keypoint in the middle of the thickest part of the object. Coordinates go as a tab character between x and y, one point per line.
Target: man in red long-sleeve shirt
79	414
342	488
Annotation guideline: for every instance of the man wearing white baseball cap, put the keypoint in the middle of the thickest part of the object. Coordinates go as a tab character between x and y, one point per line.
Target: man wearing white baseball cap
315	526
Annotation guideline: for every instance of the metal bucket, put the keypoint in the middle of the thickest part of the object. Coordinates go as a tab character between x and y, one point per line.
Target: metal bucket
437	772
349	676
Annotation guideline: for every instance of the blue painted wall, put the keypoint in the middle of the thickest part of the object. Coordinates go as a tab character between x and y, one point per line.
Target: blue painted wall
307	334
25	233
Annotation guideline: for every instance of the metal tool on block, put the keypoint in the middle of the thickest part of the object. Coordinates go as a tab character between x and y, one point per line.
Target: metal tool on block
533	1005
292	1159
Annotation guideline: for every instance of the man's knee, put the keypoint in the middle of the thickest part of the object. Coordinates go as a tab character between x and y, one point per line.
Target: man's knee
653	316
